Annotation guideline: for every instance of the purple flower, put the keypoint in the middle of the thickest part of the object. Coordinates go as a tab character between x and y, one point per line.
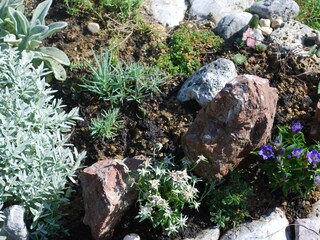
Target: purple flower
313	156
266	152
276	142
296	127
296	152
317	179
281	151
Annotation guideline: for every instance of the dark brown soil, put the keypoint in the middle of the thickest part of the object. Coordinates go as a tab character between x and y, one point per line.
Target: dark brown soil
162	119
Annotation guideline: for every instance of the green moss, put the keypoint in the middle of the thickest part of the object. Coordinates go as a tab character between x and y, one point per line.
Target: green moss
186	48
309	13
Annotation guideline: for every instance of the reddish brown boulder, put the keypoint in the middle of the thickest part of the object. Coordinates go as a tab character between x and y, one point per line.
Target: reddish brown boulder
238	120
108	194
315	125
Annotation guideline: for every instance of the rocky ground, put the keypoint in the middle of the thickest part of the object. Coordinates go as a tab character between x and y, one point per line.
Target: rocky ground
162	119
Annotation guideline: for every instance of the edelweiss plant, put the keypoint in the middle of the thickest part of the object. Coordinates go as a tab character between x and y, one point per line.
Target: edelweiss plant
289	163
35	157
163	194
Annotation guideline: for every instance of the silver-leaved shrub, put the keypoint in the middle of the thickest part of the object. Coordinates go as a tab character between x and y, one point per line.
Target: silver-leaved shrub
36	159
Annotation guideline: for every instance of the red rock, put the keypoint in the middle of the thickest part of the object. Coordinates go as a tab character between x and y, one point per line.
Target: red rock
315	126
108	194
237	121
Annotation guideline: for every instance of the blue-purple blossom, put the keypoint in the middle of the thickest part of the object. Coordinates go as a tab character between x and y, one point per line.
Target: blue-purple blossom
296	127
317	179
266	152
281	151
296	152
313	156
277	142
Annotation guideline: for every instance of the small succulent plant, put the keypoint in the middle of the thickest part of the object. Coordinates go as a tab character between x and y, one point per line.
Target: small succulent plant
239	59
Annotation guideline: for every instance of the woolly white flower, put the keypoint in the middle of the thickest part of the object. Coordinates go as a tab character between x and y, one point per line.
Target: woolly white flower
182	221
145	212
143	171
173	228
154	184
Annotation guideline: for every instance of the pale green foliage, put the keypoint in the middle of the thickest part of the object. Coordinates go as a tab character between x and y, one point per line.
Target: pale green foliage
27	35
35	158
107	125
122	82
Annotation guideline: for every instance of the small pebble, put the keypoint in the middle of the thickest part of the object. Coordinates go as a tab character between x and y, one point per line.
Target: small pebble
265	22
276	23
266	30
93	27
132	236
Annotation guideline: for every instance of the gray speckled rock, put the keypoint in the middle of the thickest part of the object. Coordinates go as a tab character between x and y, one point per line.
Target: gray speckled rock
290	37
203	85
217	9
273	226
14	227
307	229
275	9
232	26
207	234
168	13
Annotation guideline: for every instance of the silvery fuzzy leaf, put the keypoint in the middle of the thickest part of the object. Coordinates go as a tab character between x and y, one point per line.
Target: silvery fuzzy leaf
40	13
11	38
55	54
37	31
58	71
54	27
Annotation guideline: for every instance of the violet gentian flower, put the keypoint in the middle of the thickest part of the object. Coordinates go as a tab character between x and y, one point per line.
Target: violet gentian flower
277	142
296	152
266	152
296	127
281	151
313	156
316	179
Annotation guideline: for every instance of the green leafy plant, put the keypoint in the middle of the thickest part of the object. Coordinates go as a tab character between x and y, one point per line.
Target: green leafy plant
186	48
122	82
289	163
27	35
228	203
35	157
164	191
107	125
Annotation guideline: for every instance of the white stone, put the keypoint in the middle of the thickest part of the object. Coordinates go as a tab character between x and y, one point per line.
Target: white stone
217	9
315	213
307	229
266	30
275	9
14	226
231	26
93	27
274	226
265	22
276	23
132	236
207	234
168	13
203	85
